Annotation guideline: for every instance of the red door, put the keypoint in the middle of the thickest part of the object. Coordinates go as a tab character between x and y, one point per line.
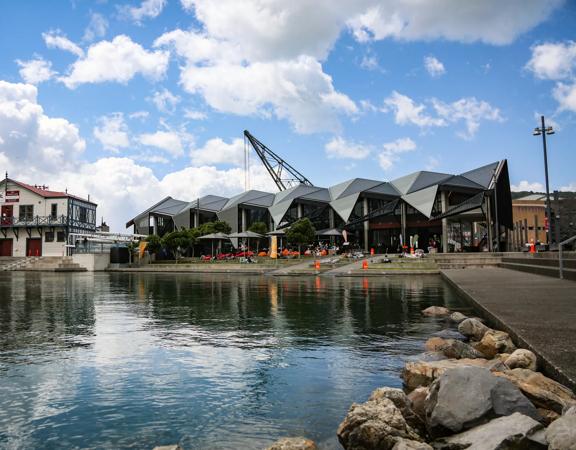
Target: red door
34	247
6	214
5	247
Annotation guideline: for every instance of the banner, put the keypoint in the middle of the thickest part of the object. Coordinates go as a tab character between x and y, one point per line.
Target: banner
9	196
274	247
142	248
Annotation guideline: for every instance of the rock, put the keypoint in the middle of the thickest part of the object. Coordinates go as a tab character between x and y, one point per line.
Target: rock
423	373
448	333
522	359
457	317
427	356
473	329
561	434
293	443
402	402
436	311
508	432
417	400
500	356
435	344
548	416
376	424
407	444
494	342
468	396
458	349
541	390
168	447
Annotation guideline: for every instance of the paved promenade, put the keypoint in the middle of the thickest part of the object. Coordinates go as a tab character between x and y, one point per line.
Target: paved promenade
539	312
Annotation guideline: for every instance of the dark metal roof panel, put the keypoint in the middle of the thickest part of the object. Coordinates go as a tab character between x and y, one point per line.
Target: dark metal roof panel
482	175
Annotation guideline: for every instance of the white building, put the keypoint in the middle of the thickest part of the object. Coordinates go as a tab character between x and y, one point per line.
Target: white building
35	221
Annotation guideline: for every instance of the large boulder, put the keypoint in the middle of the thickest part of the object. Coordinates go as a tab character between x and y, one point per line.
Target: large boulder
457	317
435	344
436	311
376	424
473	329
293	443
407	444
544	392
423	373
509	432
417	400
402	402
494	342
561	434
522	359
468	396
458	349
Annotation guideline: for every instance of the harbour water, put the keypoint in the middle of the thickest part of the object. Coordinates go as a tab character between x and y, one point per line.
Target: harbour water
131	361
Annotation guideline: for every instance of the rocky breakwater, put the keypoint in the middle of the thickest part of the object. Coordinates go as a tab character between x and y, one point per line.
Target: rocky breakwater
472	389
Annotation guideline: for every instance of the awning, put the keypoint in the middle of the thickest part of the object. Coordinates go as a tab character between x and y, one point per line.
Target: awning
246	234
329	232
474	202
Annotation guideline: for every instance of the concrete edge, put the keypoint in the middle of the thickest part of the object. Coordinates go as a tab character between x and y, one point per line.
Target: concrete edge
546	366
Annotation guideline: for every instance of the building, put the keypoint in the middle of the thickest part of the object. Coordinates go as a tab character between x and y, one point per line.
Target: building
35	221
529	217
467	212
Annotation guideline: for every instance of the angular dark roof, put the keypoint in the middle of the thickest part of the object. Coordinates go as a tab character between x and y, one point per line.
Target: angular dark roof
482	175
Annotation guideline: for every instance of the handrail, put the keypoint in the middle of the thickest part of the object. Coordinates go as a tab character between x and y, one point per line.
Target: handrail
560	261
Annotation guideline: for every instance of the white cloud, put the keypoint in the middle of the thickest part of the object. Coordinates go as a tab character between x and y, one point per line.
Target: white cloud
112	132
117	60
553	61
433	66
55	39
489	21
565	95
406	111
96	28
470	110
369	62
571	187
216	151
165	101
36	70
391	151
341	149
148	9
432	163
194	115
527	186
168	141
27	134
142	115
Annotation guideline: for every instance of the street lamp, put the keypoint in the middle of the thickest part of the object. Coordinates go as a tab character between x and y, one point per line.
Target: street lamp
537	132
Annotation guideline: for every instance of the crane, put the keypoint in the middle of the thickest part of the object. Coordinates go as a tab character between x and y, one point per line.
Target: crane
284	175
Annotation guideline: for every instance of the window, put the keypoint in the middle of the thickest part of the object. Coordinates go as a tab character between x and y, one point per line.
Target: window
61	236
54	211
26	213
82	216
49	236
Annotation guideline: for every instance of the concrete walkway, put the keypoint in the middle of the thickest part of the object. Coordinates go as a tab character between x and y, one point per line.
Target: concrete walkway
346	269
539	313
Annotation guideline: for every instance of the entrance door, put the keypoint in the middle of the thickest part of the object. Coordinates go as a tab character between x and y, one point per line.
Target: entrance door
6	214
5	247
34	247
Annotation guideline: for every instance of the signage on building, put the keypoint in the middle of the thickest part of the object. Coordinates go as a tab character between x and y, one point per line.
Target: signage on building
9	196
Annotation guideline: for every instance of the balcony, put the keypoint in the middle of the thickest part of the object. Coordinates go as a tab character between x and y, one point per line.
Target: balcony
35	221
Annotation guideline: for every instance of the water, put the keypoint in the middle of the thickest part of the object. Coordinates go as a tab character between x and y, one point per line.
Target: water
211	361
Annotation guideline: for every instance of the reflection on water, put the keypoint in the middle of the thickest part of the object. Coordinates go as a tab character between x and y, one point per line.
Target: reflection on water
211	361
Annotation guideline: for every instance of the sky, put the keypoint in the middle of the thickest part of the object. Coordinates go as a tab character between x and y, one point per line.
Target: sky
129	102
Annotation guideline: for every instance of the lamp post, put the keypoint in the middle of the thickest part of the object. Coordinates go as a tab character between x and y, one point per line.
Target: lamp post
537	132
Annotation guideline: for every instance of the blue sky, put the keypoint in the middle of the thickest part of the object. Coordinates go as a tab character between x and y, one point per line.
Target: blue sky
132	101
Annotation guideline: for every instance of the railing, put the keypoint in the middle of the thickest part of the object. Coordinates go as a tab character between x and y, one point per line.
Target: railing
560	260
34	221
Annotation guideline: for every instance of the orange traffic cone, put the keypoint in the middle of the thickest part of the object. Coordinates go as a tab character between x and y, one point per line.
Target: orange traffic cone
371	252
532	247
317	265
364	264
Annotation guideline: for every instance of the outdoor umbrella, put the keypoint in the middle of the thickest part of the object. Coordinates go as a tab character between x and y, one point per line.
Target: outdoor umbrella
214	237
329	232
246	235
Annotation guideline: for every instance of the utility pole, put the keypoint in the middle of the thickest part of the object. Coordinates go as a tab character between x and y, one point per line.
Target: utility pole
537	132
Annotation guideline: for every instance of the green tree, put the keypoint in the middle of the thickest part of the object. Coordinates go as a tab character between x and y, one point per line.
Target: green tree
214	227
258	227
301	233
154	244
178	242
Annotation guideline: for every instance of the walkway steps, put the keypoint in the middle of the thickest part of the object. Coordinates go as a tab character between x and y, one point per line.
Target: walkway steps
539	313
541	265
50	264
467	260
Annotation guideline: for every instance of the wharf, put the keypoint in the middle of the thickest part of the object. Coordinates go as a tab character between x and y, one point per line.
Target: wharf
539	312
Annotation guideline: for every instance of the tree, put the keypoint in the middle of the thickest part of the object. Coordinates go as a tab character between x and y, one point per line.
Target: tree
154	244
178	242
301	233
258	227
217	226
